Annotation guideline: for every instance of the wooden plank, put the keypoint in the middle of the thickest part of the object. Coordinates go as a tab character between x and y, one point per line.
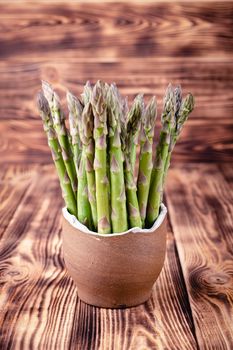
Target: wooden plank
207	136
200	207
116	30
34	285
25	142
38	299
20	83
11	195
134	46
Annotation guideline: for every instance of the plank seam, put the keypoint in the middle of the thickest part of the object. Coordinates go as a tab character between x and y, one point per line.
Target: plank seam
182	277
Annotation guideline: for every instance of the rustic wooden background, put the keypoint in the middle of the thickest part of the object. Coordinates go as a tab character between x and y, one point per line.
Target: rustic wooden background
141	46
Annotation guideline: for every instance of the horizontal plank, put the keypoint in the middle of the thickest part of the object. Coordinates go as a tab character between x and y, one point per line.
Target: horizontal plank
207	136
200	205
38	299
24	141
115	30
210	83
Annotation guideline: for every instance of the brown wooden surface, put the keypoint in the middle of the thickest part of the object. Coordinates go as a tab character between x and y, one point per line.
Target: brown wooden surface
39	307
141	45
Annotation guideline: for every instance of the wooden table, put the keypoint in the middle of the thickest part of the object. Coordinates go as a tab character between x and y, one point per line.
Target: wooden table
141	46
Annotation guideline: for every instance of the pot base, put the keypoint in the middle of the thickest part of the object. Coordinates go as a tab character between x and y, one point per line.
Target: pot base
123	303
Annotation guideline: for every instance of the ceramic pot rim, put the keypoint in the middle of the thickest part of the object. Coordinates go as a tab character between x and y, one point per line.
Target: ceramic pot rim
73	221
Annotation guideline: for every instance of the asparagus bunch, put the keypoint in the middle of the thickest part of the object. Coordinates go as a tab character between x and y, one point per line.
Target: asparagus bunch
96	159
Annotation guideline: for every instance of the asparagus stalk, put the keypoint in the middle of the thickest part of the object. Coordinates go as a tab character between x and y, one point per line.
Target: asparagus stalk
89	149
75	112
177	104
53	143
87	93
83	118
182	112
129	130
100	161
156	185
84	209
145	160
118	197
60	128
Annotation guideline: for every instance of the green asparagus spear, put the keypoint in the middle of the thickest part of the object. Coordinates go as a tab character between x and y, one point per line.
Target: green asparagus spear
89	151
89	148
156	185
118	198
130	128
181	115
53	143
84	209
100	161
60	128
84	126
145	161
75	112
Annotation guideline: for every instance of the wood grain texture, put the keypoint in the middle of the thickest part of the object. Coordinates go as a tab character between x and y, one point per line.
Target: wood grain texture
141	47
207	136
13	188
116	30
38	299
200	203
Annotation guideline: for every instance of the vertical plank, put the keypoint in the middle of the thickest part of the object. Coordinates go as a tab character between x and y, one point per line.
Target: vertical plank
34	286
200	206
11	195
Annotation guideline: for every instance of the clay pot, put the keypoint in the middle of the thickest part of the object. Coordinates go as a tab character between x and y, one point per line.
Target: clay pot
115	270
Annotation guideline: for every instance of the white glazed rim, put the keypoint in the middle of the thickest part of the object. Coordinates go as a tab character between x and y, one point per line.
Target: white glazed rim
73	221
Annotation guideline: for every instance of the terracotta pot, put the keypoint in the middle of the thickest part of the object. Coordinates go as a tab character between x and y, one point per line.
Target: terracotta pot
115	270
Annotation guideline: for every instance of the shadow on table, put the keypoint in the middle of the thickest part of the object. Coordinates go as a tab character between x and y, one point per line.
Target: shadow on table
97	328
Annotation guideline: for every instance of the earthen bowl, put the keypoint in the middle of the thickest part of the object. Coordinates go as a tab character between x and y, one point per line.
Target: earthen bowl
116	270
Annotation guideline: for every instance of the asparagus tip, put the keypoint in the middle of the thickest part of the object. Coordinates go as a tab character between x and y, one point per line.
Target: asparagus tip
56	100
178	100
42	103
70	100
190	102
150	114
48	90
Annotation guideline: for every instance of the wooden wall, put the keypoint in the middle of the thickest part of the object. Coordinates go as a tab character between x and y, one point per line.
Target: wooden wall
140	45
